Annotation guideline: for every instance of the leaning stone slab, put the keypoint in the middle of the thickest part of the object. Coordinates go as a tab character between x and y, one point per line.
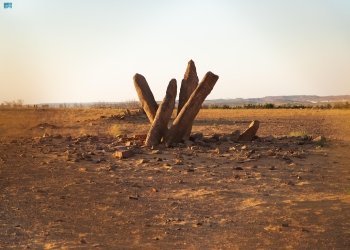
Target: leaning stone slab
145	96
188	85
160	124
190	110
250	132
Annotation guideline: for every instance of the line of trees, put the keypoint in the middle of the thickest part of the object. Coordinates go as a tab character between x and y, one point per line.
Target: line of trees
336	105
135	104
14	104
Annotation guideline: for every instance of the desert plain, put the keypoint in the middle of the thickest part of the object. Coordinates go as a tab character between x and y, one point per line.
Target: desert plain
61	186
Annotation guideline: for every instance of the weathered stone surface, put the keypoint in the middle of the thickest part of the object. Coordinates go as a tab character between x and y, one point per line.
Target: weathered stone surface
235	136
225	137
188	85
269	138
195	136
199	142
250	132
140	137
160	124
188	143
146	97
190	110
123	154
319	138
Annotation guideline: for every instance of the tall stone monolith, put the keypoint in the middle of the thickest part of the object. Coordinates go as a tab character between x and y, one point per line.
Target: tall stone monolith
188	85
160	124
146	97
190	110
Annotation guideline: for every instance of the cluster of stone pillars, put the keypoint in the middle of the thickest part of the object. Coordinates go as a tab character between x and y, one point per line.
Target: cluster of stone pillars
191	98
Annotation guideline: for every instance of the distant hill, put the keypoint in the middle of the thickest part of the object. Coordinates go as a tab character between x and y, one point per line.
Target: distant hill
278	100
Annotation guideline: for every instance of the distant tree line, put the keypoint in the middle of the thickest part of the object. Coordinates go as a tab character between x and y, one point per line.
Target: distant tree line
133	104
336	105
14	104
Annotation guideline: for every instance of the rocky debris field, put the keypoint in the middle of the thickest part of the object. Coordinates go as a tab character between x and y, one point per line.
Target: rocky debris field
107	192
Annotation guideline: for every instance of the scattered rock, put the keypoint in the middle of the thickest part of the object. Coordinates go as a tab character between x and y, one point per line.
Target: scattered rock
199	142
140	137
269	138
188	143
123	154
225	137
196	136
209	140
143	161
232	149
156	151
221	150
215	136
179	162
319	139
270	153
235	136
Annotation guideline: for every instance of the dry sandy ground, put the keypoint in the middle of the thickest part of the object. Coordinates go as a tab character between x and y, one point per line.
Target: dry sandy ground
288	193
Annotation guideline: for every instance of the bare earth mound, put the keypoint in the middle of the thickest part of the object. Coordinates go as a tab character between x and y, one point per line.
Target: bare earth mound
281	192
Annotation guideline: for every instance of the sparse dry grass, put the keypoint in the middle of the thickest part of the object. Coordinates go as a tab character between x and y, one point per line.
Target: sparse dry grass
24	122
298	133
29	122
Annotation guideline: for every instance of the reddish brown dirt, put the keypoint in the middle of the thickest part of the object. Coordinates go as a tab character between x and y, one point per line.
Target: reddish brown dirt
288	194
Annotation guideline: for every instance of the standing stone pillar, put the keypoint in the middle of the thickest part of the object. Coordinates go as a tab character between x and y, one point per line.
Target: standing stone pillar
190	110
160	124
146	97
188	85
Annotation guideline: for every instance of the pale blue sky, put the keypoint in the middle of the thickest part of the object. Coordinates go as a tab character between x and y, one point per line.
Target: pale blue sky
85	51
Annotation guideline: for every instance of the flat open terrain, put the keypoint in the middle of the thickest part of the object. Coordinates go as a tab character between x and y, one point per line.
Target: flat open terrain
61	187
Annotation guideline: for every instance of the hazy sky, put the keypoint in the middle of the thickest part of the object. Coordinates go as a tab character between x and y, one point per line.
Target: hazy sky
85	51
